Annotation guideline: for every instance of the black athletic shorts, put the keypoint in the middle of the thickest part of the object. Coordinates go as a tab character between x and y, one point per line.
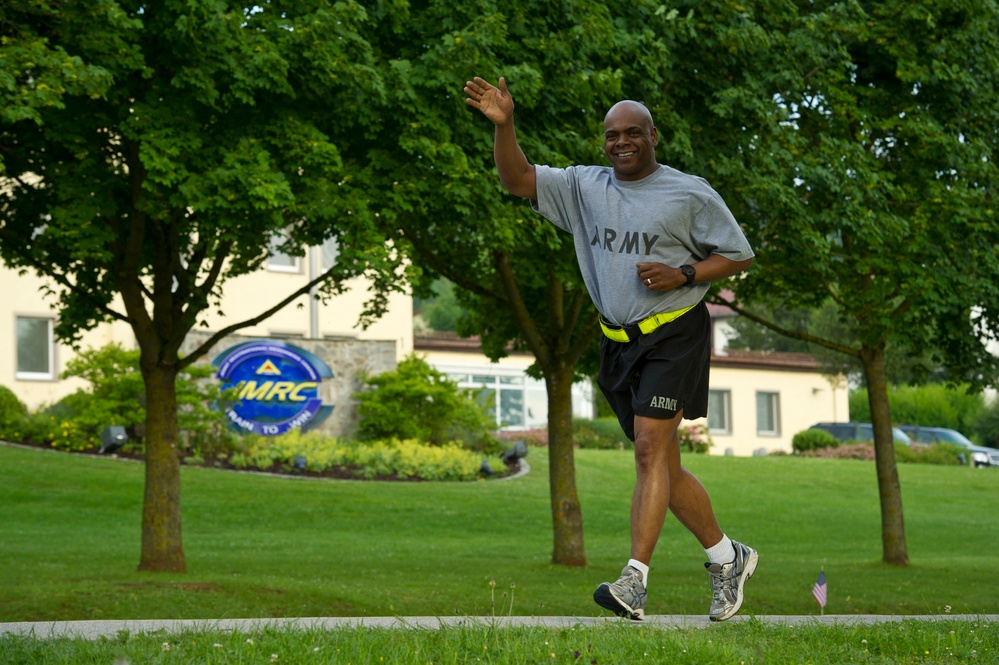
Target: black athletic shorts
660	373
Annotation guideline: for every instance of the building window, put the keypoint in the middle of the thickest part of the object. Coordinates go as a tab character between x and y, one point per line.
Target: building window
768	414
720	411
35	349
517	402
330	252
277	260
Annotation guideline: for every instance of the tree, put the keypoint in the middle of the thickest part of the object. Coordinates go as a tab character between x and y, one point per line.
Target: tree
566	63
34	74
517	279
187	136
441	310
902	367
874	187
855	141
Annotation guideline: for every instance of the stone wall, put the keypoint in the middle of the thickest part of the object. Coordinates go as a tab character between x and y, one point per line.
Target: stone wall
347	357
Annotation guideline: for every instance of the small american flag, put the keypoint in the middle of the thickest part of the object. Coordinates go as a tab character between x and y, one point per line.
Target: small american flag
819	590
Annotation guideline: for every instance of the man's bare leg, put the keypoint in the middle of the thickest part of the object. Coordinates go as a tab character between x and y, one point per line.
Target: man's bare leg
661	484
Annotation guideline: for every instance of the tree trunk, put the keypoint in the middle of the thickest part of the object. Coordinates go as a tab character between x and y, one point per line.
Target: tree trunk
567	517
161	537
892	522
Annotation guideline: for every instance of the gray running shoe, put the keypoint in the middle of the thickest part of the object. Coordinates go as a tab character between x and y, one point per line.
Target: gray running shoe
626	597
727	581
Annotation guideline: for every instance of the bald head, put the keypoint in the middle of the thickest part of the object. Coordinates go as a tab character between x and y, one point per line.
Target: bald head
632	108
630	140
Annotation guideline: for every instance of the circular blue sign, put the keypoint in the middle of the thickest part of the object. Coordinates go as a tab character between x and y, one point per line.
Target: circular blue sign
275	386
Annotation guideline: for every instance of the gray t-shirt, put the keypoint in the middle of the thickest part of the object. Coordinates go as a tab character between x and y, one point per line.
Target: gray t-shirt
669	217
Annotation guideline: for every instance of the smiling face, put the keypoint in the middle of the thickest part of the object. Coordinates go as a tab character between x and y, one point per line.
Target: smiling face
630	141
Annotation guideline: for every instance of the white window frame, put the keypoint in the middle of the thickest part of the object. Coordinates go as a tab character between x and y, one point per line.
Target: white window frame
726	415
773	403
329	253
274	253
50	374
503	378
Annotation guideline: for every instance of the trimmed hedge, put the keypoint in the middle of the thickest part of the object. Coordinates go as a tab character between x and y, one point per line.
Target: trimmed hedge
394	458
813	439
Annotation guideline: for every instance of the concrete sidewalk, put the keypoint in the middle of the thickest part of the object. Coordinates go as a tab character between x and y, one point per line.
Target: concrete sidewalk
96	629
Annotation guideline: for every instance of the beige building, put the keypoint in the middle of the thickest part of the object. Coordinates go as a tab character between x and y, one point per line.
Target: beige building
31	360
758	402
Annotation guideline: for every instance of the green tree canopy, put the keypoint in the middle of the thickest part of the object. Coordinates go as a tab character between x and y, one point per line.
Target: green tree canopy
186	138
855	141
566	64
875	187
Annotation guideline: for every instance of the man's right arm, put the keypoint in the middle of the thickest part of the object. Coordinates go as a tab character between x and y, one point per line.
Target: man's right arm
516	174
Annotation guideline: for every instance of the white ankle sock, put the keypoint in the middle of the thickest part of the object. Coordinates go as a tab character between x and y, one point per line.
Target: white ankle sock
723	552
642	568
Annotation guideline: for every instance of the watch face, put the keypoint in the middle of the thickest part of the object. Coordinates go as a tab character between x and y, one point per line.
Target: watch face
689	272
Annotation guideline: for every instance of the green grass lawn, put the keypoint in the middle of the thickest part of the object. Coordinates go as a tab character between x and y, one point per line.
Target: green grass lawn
262	546
740	643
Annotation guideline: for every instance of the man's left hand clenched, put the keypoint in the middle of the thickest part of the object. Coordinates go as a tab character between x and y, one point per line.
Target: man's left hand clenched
659	276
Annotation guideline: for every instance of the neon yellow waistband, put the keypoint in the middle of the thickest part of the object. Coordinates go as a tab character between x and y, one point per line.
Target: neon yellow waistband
644	327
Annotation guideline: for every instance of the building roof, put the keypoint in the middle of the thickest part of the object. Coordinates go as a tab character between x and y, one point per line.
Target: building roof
721	311
448	340
771	360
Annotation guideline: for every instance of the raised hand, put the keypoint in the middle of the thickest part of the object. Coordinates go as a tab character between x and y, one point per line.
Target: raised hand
495	103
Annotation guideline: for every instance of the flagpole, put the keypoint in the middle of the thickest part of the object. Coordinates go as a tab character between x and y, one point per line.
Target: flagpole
819	590
822	607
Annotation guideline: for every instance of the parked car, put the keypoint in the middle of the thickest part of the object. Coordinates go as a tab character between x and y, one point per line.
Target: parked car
980	455
859	432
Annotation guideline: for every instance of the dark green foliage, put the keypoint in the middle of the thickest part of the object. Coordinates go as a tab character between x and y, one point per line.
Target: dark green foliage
442	311
13	413
603	407
985	427
418	402
813	439
116	395
599	433
938	453
931	405
325	455
165	146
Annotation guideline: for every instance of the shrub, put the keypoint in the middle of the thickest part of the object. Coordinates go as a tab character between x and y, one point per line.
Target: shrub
13	414
52	426
116	396
695	438
861	451
932	405
204	428
599	434
532	437
985	426
813	439
393	458
937	453
418	402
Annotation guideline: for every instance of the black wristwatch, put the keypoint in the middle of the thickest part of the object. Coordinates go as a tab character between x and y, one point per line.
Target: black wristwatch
689	273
